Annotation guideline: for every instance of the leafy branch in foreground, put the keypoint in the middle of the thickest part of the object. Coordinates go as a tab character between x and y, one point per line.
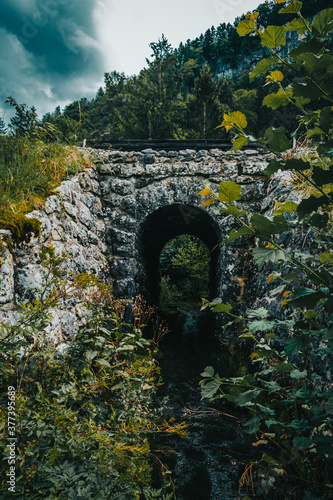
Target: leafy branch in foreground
286	391
86	406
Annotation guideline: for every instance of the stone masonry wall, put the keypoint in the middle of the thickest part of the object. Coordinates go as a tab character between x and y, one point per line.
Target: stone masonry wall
97	218
72	222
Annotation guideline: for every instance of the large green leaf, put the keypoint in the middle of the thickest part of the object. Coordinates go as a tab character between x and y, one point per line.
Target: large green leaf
322	22
300	425
264	227
329	406
232	210
247	396
308	300
264	255
302	443
210	389
274	166
310	205
297	374
297	164
288	206
279	224
261	325
296	344
298	25
261	312
306	90
229	191
271	386
321	177
319	220
326	149
326	119
208	372
326	257
222	308
238	118
274	101
239	142
316	64
245	27
262	66
277	139
293	7
312	45
273	36
252	425
283	367
241	232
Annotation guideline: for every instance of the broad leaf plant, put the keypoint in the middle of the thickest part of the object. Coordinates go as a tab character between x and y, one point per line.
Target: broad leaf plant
289	400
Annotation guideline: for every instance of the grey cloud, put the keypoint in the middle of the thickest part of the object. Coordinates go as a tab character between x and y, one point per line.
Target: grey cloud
49	51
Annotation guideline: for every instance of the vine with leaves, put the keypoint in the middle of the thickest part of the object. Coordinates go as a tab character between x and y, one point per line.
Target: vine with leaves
288	397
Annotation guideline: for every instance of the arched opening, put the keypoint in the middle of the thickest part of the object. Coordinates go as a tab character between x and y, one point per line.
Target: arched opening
184	269
164	225
191	344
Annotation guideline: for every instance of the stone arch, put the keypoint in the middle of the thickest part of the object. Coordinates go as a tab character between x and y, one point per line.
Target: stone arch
164	224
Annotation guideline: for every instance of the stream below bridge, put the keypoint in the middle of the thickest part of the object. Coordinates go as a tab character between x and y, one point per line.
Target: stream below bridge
208	464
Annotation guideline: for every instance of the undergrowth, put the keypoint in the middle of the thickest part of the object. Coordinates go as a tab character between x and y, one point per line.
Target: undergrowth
29	171
78	413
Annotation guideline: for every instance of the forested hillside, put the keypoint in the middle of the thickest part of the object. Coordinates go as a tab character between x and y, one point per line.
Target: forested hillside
179	94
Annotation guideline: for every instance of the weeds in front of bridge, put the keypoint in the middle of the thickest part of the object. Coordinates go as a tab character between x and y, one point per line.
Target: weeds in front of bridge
29	172
85	406
286	391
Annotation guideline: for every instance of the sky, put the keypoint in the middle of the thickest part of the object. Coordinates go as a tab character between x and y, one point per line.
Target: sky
56	51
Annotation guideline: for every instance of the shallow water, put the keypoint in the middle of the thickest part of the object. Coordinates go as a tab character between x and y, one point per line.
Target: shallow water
208	464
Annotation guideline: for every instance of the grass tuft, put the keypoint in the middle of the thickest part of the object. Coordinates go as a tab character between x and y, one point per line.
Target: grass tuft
29	172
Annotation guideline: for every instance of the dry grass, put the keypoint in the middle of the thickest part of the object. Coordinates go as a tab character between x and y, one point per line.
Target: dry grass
29	171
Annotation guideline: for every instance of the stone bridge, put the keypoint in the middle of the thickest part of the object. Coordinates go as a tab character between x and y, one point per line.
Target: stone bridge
114	221
149	202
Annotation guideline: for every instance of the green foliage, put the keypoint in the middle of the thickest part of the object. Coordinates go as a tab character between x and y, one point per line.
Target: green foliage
84	408
285	392
29	171
184	265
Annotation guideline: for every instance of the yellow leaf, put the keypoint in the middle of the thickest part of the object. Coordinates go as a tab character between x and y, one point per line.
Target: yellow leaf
238	119
261	441
277	76
206	192
286	293
254	16
227	126
245	27
280	1
253	355
269	279
208	202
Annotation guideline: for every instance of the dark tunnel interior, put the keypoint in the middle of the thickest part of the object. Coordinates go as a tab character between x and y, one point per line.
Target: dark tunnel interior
165	224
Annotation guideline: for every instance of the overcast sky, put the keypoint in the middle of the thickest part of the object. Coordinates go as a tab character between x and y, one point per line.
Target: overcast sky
56	51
